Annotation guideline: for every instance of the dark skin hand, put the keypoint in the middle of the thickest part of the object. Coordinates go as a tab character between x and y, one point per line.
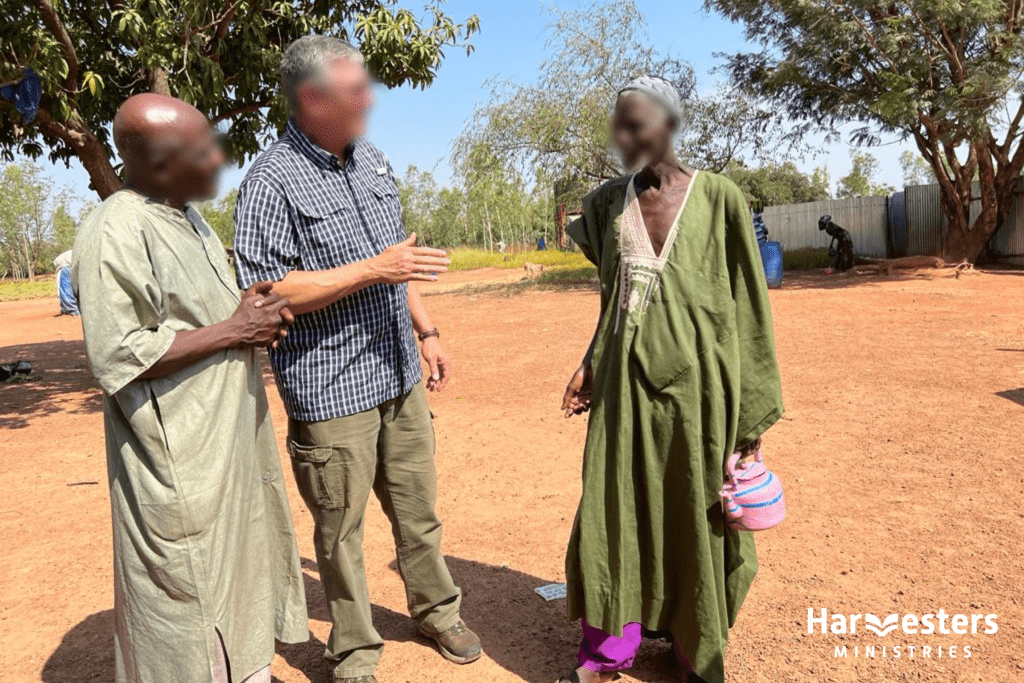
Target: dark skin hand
577	393
171	156
261	319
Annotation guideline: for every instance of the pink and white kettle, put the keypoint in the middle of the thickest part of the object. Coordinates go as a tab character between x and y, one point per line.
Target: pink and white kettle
752	497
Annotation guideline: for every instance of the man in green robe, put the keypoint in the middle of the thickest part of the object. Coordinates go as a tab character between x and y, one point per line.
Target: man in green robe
206	571
681	373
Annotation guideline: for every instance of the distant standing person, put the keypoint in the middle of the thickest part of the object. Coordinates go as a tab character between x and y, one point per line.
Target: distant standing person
206	571
65	292
319	215
680	374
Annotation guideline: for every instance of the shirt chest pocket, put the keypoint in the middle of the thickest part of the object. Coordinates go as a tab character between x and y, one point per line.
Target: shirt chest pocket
329	231
388	207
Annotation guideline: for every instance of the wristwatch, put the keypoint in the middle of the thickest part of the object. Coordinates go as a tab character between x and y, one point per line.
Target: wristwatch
428	334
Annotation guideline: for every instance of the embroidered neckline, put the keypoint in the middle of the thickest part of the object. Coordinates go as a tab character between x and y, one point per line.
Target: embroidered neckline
638	262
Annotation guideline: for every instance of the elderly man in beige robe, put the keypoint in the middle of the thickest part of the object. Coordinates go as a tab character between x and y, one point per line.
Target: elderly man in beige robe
206	572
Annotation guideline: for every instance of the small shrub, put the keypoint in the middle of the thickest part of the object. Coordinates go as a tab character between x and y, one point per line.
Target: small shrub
468	259
17	290
806	259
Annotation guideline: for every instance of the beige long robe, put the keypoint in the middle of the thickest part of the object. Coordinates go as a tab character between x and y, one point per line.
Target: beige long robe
203	539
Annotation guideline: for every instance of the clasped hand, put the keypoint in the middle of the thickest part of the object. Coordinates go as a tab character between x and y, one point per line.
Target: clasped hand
262	317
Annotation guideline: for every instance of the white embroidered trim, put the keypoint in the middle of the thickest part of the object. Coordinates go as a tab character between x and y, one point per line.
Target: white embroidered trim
638	264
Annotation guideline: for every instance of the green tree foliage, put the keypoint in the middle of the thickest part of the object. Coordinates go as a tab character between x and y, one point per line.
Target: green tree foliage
725	127
419	194
557	127
945	73
35	224
555	130
860	181
916	171
64	228
221	217
220	56
493	207
777	184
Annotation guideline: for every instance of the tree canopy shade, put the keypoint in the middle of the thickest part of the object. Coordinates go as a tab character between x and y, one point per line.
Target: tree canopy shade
945	73
221	55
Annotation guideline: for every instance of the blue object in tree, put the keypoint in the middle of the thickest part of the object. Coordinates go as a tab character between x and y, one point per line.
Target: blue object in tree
25	94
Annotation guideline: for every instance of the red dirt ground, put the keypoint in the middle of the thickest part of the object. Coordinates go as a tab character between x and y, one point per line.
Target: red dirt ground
900	450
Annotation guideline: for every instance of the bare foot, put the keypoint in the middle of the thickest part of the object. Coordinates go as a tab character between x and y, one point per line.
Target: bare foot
585	675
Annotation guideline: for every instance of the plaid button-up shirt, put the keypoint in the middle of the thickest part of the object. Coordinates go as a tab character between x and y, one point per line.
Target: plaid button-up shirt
302	208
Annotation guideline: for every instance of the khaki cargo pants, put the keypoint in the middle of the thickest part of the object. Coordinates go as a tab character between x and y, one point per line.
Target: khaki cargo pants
389	449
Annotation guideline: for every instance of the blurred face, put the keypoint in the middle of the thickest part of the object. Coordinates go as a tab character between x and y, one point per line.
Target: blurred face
186	161
340	104
195	168
642	130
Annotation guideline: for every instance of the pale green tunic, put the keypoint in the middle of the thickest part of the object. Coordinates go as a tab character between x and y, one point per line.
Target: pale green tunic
684	372
203	539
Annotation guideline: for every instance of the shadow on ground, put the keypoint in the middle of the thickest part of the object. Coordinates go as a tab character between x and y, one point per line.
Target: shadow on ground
521	632
1015	395
805	279
60	382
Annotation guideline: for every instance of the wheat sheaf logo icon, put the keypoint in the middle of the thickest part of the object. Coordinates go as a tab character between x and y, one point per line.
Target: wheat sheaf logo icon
879	627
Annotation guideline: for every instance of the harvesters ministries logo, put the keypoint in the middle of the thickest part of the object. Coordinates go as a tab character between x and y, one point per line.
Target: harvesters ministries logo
893	636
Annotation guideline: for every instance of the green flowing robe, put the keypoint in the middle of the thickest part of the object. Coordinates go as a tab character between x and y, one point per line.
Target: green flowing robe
204	549
684	372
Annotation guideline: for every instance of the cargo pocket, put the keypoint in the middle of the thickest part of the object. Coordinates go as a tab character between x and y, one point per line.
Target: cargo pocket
319	474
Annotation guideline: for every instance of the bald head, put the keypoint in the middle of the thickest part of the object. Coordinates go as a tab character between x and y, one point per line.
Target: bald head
167	146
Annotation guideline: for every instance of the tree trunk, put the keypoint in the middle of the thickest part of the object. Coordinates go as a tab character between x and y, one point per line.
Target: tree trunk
967	241
969	245
158	82
29	266
102	177
88	148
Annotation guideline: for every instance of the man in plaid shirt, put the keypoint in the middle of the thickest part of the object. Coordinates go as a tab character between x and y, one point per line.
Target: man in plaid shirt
319	215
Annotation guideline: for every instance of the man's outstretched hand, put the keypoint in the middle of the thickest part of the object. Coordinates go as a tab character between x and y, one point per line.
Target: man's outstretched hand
405	262
577	392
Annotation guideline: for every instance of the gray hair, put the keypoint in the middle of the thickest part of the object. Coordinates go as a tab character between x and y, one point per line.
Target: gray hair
305	59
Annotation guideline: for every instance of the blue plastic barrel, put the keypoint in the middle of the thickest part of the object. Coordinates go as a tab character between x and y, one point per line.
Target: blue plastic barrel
771	256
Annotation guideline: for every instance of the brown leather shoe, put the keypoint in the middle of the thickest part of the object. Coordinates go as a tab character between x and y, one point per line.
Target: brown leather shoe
458	644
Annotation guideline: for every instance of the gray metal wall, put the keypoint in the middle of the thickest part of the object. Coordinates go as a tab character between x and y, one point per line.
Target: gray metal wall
866	218
1009	241
926	225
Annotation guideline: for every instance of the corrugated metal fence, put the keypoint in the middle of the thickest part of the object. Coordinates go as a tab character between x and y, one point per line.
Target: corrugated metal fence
865	218
908	223
927	226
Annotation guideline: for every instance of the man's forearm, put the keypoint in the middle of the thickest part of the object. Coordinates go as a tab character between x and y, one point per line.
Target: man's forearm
191	346
308	290
418	310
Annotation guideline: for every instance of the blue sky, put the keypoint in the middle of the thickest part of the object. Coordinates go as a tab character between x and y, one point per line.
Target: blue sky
418	127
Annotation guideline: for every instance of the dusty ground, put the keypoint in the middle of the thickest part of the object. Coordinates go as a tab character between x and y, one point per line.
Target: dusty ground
900	450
